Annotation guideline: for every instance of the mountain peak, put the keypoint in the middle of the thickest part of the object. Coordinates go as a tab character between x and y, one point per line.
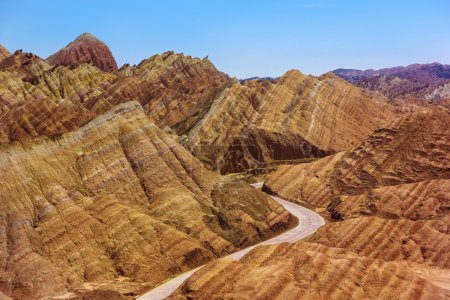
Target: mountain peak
86	36
86	48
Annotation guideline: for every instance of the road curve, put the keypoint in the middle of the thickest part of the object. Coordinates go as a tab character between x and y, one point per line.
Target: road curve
309	222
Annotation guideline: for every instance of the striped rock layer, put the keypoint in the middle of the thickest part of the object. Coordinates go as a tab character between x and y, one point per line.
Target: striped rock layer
4	53
414	147
390	194
117	198
85	49
295	116
38	99
388	202
231	125
306	271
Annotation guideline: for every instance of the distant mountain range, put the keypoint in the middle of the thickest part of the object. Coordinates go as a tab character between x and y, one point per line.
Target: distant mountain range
259	78
424	81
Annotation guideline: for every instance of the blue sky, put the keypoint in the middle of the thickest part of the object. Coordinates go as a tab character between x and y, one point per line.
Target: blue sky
242	38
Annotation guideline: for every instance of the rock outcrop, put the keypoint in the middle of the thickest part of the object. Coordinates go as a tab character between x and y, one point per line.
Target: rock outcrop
117	198
389	195
24	64
85	49
391	192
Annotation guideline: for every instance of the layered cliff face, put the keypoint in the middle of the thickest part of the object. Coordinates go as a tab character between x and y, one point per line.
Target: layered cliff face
424	81
292	117
85	49
4	53
117	198
166	85
388	235
231	125
406	222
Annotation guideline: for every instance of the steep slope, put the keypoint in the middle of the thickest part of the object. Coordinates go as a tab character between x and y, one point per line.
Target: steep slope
414	147
390	194
117	198
231	125
421	200
37	99
442	92
392	230
273	272
295	116
85	49
167	85
4	53
24	64
425	81
388	235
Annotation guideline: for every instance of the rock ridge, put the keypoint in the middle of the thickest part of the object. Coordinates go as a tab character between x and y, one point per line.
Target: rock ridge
85	49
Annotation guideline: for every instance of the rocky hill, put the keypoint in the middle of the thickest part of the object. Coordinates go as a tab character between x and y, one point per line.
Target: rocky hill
306	270
110	178
388	236
230	125
85	49
4	53
293	117
117	198
167	85
24	64
38	99
414	147
424	81
396	183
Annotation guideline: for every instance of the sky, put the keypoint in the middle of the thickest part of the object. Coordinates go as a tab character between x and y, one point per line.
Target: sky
242	38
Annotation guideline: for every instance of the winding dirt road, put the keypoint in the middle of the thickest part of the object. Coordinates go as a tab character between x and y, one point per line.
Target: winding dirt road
309	222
